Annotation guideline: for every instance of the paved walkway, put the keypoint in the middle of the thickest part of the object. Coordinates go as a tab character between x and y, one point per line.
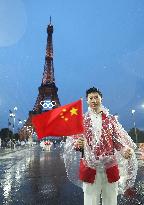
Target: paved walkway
35	177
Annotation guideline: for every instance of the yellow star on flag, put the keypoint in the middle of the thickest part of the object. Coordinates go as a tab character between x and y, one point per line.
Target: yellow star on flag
63	116
73	111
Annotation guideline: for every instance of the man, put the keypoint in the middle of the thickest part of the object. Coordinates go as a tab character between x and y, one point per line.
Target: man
103	141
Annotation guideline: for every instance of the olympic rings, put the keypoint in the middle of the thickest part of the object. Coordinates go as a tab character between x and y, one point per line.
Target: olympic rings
48	104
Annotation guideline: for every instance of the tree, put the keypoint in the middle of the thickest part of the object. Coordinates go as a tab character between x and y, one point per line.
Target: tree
140	135
16	136
6	134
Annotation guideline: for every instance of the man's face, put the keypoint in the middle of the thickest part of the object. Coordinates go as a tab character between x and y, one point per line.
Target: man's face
94	100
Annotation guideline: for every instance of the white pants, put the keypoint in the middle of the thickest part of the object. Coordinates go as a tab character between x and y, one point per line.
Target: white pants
101	186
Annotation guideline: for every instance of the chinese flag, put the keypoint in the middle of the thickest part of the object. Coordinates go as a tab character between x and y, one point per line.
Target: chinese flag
62	121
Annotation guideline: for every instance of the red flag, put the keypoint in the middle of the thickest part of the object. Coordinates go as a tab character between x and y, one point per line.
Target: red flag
62	121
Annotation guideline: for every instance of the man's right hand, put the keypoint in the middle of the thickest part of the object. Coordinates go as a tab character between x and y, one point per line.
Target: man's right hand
80	143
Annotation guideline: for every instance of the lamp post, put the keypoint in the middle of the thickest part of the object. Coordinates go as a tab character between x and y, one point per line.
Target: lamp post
30	134
133	114
12	114
15	110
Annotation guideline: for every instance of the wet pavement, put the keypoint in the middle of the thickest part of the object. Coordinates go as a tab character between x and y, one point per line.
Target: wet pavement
31	176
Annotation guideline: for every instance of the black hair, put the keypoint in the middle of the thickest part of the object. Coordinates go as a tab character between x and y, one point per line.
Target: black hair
93	90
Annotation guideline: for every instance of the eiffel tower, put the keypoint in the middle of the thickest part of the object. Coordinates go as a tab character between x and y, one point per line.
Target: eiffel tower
47	90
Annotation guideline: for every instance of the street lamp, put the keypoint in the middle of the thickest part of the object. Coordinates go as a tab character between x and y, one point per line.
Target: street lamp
12	114
133	111
19	122
15	110
133	114
31	134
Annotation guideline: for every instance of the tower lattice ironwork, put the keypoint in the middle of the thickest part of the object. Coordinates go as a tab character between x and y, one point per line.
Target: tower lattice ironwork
48	92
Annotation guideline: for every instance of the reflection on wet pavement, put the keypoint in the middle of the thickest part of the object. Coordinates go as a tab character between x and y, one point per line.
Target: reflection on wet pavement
35	177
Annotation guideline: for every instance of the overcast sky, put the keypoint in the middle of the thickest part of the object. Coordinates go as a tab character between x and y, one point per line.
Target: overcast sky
96	43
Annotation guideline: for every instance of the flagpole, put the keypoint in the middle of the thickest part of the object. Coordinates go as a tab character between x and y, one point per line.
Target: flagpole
82	103
83	138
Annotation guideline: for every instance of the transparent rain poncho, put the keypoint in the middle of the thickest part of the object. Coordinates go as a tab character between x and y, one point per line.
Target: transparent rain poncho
103	153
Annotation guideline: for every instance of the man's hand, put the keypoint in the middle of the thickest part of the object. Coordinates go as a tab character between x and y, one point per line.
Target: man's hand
127	154
80	143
